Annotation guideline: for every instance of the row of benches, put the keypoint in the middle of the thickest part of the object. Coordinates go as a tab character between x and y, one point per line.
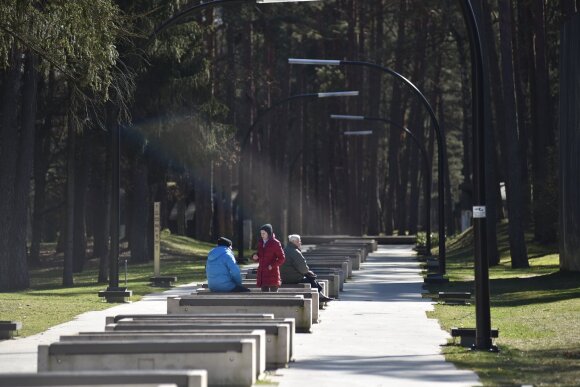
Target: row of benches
204	339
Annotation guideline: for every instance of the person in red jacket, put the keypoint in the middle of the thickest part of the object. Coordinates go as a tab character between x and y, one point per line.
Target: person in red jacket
270	257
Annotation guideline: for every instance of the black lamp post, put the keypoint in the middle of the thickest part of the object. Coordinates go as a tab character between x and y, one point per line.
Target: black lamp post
482	302
241	184
438	131
426	167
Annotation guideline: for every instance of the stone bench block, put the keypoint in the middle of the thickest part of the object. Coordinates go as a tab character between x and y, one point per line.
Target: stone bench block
296	307
320	268
279	334
361	251
344	264
119	317
282	293
163	281
228	362
179	378
258	335
8	328
355	259
334	284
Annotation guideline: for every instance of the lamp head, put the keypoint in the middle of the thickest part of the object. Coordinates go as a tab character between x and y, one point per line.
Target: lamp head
319	62
358	133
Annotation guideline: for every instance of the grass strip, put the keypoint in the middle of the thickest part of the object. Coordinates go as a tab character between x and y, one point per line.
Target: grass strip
47	303
536	310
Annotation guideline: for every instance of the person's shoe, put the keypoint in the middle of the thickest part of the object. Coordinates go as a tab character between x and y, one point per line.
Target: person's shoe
322	298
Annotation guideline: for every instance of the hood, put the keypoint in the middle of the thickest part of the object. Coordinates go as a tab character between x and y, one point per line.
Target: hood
217	252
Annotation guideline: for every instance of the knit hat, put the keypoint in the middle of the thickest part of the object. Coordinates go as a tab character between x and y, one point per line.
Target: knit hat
224	242
268	228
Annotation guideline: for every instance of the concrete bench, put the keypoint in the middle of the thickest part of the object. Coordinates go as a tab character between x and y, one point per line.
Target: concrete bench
357	251
251	274
8	328
355	259
163	281
251	283
330	268
279	333
362	251
282	293
371	244
179	378
228	362
296	307
258	335
116	318
344	264
454	298
467	335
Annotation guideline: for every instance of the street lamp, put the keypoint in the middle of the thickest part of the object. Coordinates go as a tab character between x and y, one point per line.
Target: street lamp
482	302
439	135
426	166
241	185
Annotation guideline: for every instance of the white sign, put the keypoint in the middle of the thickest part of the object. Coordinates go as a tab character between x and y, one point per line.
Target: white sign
478	211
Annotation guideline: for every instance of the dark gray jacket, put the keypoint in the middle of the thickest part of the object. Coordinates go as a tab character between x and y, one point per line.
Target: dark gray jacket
295	267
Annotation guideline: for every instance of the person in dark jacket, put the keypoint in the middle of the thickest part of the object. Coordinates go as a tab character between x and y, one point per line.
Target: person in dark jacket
270	257
223	275
295	269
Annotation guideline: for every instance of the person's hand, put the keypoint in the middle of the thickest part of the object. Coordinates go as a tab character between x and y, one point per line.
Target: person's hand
311	274
269	267
255	257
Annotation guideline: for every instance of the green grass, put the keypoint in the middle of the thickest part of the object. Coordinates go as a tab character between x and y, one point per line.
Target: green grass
537	311
47	303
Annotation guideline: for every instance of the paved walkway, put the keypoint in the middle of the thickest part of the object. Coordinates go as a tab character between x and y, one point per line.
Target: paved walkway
377	334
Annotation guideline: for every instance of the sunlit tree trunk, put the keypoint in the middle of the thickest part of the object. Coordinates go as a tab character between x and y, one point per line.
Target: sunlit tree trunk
511	155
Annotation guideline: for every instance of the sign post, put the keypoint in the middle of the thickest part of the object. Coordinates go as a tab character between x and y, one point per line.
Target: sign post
158	279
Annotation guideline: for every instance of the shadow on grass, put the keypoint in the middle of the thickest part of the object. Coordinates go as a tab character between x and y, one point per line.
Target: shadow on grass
516	291
555	366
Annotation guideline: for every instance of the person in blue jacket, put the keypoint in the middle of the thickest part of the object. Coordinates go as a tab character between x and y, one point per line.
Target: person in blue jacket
223	275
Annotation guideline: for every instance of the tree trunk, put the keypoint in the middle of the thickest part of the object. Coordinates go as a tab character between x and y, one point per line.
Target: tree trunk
396	114
82	174
523	54
24	167
140	211
466	187
543	164
570	145
41	164
491	182
8	164
67	274
102	192
510	152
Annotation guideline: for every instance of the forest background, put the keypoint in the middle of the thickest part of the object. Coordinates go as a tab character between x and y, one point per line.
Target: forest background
184	100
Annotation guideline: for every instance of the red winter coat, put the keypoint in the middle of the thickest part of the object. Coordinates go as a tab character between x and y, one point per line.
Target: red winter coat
271	254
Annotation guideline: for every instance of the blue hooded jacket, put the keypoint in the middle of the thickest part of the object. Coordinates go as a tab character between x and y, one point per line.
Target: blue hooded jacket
222	272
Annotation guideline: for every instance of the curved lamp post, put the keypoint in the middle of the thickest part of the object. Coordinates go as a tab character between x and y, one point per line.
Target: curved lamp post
438	131
426	166
241	184
482	303
114	293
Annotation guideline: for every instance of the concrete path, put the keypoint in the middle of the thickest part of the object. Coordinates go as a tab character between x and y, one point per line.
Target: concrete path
20	354
377	334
